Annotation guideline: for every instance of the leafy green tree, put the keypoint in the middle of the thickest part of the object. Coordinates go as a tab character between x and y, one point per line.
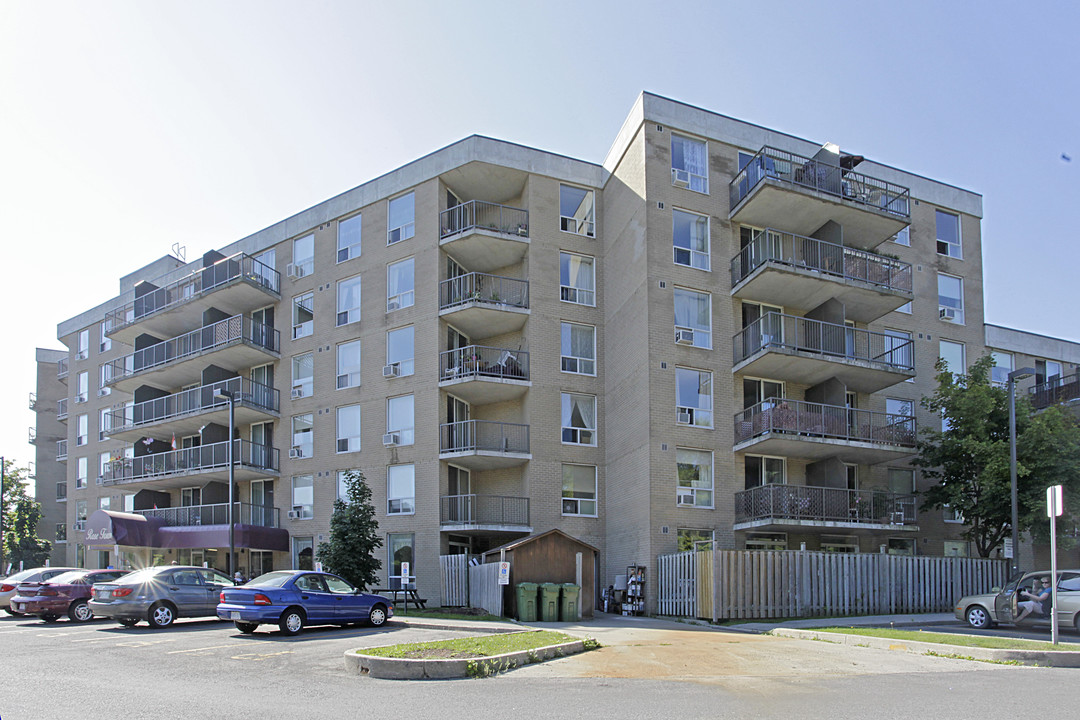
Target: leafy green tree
21	516
354	535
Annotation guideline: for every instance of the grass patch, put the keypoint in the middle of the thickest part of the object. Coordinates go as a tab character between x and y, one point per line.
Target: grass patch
472	647
996	643
450	614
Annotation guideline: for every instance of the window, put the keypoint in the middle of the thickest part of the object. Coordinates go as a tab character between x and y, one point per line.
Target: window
80	514
399	549
950	514
82	387
303	553
577	279
1046	370
839	543
693	397
756	390
342	490
400	285
190	496
689	164
303	315
905	308
693	539
899	406
402	213
399	418
265	268
948	234
903	237
84	345
579	490
950	298
348	365
578	349
104	423
693	318
852	472
82	429
103	463
303	256
302	436
105	372
953	355
129	502
303	375
956	548
348	428
762	470
400	490
399	350
578	419
348	238
1003	365
691	239
61	532
106	342
303	497
348	301
766	541
81	466
695	486
900	546
576	211
899	349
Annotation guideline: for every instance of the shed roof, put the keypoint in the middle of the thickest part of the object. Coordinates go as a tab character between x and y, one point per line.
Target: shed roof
533	538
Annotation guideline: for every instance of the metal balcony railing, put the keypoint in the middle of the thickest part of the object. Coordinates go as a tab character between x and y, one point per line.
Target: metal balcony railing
792	333
1056	390
204	280
802	502
798	252
483	288
61	449
62	409
809	419
216	514
805	172
211	337
478	361
33	401
61	491
483	510
61	368
485	216
194	401
483	436
190	460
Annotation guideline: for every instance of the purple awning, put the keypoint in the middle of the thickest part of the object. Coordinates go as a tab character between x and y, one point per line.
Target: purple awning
106	528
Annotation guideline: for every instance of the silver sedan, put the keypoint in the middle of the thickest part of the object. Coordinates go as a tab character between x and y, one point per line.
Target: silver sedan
159	595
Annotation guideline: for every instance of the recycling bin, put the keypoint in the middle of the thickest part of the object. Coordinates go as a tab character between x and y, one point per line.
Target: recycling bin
568	605
549	602
526	601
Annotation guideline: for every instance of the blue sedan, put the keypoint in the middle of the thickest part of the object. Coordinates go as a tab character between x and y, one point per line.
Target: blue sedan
292	599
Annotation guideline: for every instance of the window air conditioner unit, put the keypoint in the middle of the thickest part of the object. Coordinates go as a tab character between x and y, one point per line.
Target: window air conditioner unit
391	370
948	314
80	398
297	392
683	417
392	305
680	178
684	337
390	439
685	498
102	392
296	451
78	525
393	236
295	514
100	479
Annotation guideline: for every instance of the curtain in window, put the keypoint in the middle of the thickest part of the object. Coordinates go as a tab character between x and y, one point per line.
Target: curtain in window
689	155
579	411
579	481
578	340
577	272
348	295
400	278
695	468
692	310
699	234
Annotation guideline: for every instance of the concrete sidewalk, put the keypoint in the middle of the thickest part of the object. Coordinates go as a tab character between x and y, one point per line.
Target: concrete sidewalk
764	626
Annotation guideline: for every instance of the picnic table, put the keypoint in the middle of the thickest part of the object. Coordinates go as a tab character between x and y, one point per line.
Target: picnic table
406	595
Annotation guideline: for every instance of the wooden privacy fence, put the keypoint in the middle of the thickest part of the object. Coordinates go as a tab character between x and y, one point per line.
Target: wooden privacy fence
454	574
794	583
484	588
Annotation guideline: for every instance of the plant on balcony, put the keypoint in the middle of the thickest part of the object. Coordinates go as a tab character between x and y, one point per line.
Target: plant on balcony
354	535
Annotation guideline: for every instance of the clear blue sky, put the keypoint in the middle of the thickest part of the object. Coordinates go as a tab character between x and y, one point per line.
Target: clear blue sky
126	127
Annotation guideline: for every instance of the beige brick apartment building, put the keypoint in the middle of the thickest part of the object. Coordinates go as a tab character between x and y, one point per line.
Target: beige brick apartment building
722	332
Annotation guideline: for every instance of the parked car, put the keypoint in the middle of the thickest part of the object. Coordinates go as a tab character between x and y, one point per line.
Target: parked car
159	595
1000	605
65	594
292	599
8	584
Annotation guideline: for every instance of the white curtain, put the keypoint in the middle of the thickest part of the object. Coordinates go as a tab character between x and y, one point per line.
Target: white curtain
400	278
579	411
692	310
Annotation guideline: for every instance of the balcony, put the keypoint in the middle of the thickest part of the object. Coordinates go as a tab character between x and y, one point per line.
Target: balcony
236	344
217	514
62	409
484	236
61	450
62	369
33	435
493	513
481	305
1058	390
33	401
794	428
233	285
185	412
209	462
796	271
805	194
480	375
483	444
787	506
61	491
798	349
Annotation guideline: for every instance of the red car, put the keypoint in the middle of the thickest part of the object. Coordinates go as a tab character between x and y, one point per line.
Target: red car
65	594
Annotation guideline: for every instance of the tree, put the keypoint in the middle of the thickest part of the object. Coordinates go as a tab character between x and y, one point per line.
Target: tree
21	516
970	457
354	537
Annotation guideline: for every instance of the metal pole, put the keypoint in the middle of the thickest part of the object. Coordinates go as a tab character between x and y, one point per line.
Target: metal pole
3	463
1053	578
1012	474
232	479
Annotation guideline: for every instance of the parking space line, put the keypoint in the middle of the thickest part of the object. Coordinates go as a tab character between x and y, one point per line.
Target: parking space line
260	656
212	647
144	643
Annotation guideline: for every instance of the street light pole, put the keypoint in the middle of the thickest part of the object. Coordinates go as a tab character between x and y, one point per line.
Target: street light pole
1013	377
231	397
2	469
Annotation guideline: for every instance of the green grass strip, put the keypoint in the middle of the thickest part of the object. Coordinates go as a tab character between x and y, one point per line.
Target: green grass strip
997	643
439	614
483	646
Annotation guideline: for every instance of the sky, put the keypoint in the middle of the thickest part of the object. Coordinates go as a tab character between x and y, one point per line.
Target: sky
128	127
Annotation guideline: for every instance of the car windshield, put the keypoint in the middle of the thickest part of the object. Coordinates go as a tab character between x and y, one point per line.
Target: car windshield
66	578
271	579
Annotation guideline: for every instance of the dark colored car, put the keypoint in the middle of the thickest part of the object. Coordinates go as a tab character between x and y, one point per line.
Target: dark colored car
65	594
159	595
292	599
8	584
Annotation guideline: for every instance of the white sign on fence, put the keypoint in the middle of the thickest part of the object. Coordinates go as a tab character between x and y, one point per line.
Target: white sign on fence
504	573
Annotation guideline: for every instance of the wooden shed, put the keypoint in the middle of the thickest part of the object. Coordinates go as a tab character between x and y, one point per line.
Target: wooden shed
549	557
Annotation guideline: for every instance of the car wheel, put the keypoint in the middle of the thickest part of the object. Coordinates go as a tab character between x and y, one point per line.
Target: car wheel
978	618
50	618
15	613
128	622
246	628
80	611
161	615
377	616
292	621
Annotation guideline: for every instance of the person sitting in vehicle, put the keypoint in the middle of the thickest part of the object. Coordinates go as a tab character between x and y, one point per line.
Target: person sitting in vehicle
1038	599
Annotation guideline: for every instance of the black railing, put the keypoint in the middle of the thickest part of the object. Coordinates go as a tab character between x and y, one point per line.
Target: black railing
190	460
809	419
483	510
478	361
802	502
485	289
193	401
483	436
1057	390
217	514
485	216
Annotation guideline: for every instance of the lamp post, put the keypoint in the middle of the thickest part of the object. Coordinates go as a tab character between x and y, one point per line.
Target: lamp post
1013	377
231	397
2	469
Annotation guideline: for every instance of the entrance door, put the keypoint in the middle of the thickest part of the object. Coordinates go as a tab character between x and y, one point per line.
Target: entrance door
459	435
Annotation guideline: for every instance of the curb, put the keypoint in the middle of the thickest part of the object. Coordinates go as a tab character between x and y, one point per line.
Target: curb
1041	658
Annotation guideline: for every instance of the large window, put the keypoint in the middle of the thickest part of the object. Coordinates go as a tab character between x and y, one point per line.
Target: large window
400	490
303	497
402	213
689	164
903	237
82	429
579	490
695	468
104	423
576	211
693	539
899	406
82	387
1047	370
105	375
577	279
578	349
399	549
399	351
303	376
763	470
948	234
303	315
83	351
303	256
302	436
399	418
953	355
303	553
348	365
691	239
693	397
901	481
106	341
578	419
81	465
348	428
348	301
400	285
693	318
348	238
1003	365
951	298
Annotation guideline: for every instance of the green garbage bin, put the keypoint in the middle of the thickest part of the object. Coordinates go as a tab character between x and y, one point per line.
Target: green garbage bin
549	602
568	606
526	601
